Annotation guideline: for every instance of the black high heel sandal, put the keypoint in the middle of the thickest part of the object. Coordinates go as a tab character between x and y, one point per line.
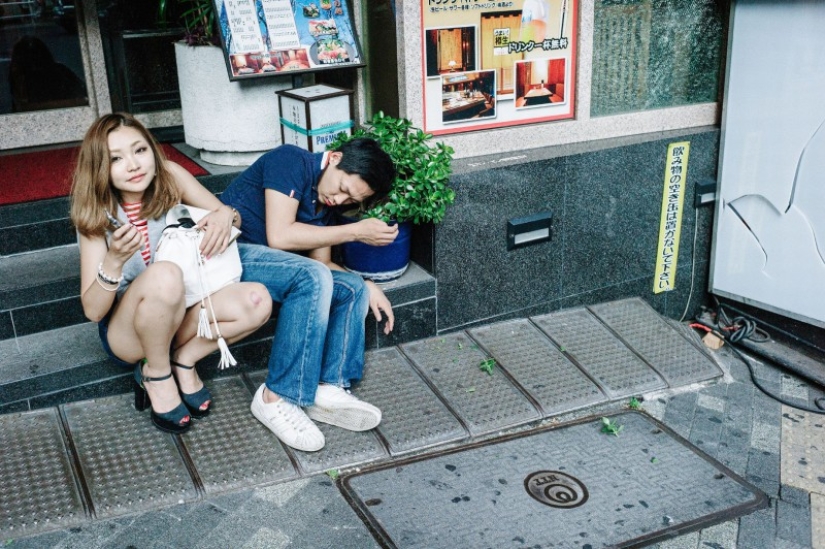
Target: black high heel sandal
194	401
175	421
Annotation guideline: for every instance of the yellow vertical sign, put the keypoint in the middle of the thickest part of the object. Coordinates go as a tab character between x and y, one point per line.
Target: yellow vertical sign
670	225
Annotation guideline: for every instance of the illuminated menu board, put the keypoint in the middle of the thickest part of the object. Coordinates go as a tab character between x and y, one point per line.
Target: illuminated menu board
270	37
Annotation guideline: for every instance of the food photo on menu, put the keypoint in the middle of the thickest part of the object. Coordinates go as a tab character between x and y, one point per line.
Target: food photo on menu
292	36
325	30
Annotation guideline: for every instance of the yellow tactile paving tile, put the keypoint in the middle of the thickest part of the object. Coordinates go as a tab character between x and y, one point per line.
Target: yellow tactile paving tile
817	521
803	451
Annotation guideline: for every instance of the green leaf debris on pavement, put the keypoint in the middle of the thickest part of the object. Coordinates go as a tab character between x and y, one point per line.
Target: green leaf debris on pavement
487	365
610	427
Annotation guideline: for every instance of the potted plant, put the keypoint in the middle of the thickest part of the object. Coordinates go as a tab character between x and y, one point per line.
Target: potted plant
230	122
198	17
420	193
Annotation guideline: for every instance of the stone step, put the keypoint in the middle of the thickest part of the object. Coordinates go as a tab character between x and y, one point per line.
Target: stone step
45	224
40	291
35	226
67	363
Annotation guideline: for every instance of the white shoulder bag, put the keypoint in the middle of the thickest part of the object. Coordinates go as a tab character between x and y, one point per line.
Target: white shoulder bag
180	244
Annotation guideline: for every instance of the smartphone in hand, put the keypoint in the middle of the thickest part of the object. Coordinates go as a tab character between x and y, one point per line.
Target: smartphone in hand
113	221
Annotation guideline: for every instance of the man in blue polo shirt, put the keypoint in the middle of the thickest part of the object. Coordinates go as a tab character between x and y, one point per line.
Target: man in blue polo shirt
284	199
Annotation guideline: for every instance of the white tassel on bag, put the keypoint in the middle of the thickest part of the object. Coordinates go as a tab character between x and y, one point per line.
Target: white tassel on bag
227	359
203	323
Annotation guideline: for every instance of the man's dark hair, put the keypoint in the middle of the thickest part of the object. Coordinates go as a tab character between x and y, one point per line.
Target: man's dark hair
365	158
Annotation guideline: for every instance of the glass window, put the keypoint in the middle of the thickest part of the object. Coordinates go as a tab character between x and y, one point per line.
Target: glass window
652	54
380	47
40	61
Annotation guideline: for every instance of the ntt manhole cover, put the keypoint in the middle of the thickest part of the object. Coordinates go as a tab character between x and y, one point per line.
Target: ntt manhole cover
570	486
556	489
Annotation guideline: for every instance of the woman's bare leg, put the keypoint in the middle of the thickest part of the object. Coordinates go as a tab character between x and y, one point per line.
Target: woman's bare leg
240	308
143	325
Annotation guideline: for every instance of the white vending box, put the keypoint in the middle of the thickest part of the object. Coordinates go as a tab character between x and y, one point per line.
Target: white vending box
312	116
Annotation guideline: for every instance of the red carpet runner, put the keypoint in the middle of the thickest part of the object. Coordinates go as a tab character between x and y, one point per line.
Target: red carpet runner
48	174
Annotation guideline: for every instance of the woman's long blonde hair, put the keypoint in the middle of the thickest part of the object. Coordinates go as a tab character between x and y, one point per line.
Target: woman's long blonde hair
92	191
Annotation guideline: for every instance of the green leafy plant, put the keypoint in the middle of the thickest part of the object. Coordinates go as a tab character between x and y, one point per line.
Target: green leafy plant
198	18
420	192
334	474
610	427
487	365
634	404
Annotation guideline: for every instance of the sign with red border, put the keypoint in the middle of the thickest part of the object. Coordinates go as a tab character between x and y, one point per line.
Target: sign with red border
492	64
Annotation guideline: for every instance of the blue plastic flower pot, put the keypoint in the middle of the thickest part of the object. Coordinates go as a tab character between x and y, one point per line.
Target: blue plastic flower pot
379	263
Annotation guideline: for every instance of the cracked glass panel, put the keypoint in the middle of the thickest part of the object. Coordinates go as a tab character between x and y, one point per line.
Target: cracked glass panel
655	54
769	240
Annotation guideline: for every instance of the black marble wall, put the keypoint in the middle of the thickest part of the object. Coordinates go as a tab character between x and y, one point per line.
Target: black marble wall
606	200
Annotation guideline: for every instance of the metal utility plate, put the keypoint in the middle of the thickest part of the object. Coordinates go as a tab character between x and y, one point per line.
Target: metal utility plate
128	465
230	448
38	491
567	487
413	417
485	402
342	449
677	360
538	366
596	350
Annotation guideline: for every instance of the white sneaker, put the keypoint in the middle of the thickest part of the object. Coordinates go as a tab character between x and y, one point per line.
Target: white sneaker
338	406
288	422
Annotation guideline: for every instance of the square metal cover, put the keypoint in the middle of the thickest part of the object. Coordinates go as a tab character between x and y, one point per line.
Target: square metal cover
572	486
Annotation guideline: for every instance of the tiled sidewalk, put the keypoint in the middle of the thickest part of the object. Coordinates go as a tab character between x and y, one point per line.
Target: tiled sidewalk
775	447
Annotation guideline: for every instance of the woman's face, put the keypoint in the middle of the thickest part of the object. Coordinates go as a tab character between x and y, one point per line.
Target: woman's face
132	167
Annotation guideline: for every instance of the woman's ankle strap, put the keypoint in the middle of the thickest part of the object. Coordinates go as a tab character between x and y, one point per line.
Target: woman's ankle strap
147	378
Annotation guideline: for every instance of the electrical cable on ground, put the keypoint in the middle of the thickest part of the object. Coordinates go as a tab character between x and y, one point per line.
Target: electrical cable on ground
734	331
692	263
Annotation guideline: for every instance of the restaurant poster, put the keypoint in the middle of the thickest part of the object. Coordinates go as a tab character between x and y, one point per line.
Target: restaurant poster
269	37
490	64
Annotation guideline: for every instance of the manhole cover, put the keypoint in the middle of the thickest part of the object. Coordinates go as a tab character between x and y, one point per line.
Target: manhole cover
565	487
556	489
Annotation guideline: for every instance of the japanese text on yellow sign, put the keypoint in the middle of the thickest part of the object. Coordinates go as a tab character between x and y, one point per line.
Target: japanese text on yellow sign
670	225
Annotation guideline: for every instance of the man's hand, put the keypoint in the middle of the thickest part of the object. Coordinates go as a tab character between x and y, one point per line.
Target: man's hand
378	303
375	232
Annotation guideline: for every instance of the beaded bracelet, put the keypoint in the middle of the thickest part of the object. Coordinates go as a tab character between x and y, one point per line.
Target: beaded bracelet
106	278
101	284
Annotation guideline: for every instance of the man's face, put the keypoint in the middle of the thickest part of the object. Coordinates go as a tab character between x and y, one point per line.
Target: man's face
337	187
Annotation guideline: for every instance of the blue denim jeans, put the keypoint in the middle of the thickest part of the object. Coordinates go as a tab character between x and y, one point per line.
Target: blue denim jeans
319	335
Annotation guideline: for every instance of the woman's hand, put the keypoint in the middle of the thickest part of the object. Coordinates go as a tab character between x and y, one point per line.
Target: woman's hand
125	242
217	227
378	303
